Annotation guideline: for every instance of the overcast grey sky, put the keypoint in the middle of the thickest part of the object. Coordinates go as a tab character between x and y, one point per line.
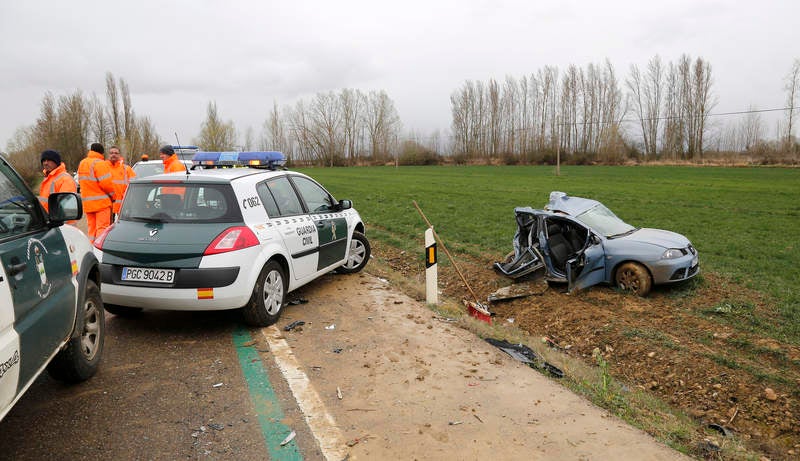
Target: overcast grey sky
176	56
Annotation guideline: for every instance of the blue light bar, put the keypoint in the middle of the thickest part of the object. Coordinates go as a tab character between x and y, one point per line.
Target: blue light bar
259	159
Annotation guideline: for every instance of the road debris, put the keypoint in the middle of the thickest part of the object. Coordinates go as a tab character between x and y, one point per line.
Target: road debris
217	385
339	393
294	325
478	311
332	326
289	438
515	291
526	355
455	423
216	427
295	302
721	429
357	440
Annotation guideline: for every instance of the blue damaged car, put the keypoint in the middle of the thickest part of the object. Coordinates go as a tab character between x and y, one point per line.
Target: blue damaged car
580	242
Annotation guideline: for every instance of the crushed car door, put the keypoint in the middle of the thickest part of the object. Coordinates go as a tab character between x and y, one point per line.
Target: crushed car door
587	268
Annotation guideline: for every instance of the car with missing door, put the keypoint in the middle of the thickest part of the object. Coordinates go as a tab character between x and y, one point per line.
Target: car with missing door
51	314
582	243
237	233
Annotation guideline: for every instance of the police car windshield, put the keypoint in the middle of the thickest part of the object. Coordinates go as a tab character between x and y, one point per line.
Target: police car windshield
178	202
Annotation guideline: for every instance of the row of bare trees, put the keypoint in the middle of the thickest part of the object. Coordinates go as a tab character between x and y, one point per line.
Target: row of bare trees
346	128
582	112
71	122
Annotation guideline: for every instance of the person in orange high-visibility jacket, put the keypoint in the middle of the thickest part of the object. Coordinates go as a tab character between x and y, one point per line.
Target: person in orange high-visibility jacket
171	161
172	164
121	175
56	178
97	190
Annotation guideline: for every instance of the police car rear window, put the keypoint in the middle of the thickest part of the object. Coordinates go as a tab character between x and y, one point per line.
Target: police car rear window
179	202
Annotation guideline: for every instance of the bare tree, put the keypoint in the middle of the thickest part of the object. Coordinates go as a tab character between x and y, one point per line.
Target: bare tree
382	124
215	134
792	85
113	108
646	98
352	103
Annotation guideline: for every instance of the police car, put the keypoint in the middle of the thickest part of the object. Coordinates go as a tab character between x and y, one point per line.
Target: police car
226	238
51	313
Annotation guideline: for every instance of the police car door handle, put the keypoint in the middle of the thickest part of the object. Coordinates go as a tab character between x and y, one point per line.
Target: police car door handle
14	269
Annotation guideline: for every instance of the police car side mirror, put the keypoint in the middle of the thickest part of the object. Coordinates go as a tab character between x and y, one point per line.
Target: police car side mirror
345	205
64	206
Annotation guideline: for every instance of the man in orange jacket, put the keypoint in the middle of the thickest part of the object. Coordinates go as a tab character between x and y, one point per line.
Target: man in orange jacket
97	190
56	178
121	175
171	161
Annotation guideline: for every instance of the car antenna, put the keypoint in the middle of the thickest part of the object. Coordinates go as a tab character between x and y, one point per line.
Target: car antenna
179	146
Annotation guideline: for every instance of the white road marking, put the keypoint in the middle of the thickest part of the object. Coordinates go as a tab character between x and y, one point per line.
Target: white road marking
321	423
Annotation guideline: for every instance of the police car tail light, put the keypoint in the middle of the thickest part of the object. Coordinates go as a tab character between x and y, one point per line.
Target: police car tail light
98	241
232	238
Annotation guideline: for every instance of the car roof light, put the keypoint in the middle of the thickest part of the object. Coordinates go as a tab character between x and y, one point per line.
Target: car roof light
257	159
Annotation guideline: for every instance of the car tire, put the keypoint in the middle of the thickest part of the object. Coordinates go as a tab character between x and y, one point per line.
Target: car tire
79	359
269	296
634	278
123	311
358	256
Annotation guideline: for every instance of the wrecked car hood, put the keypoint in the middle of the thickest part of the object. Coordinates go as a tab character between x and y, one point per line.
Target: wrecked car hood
660	237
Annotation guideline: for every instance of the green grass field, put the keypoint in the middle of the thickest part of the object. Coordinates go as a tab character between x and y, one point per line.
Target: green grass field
745	222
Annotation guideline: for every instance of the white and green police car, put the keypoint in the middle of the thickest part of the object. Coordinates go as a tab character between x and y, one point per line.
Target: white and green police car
220	238
51	314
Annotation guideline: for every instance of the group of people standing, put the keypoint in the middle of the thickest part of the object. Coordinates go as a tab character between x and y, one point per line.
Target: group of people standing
103	183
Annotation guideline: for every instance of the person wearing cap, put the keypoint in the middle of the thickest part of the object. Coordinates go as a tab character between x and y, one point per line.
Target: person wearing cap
56	178
97	190
145	157
171	161
121	175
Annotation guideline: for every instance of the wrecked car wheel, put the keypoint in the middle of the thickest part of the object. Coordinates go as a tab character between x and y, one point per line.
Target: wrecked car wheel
634	278
269	296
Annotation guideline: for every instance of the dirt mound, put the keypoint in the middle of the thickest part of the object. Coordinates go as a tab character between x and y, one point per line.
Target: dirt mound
688	345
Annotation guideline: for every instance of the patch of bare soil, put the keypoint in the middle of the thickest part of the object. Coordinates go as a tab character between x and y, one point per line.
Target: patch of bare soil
674	344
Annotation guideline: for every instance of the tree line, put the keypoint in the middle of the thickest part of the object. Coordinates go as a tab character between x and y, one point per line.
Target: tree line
586	115
581	115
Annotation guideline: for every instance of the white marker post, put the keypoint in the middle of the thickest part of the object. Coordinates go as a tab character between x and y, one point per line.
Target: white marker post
431	269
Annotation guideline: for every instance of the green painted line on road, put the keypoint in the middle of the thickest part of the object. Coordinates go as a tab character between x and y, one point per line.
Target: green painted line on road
264	399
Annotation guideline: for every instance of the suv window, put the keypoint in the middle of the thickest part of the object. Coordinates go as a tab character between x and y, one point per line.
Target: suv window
279	197
317	199
160	202
18	211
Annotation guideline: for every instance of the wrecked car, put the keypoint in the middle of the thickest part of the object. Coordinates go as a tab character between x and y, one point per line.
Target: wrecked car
580	242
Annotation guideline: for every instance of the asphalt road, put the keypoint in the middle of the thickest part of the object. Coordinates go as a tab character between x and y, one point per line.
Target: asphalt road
171	386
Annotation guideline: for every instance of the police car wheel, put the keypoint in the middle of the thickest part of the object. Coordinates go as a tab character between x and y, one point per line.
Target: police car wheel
79	359
358	257
123	311
269	296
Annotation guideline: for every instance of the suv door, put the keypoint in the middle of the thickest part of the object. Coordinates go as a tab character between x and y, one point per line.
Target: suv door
38	294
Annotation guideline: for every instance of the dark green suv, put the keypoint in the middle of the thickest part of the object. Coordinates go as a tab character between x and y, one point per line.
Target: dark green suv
51	313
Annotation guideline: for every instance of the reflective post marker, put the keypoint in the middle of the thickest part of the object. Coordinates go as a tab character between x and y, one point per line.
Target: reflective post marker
431	274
